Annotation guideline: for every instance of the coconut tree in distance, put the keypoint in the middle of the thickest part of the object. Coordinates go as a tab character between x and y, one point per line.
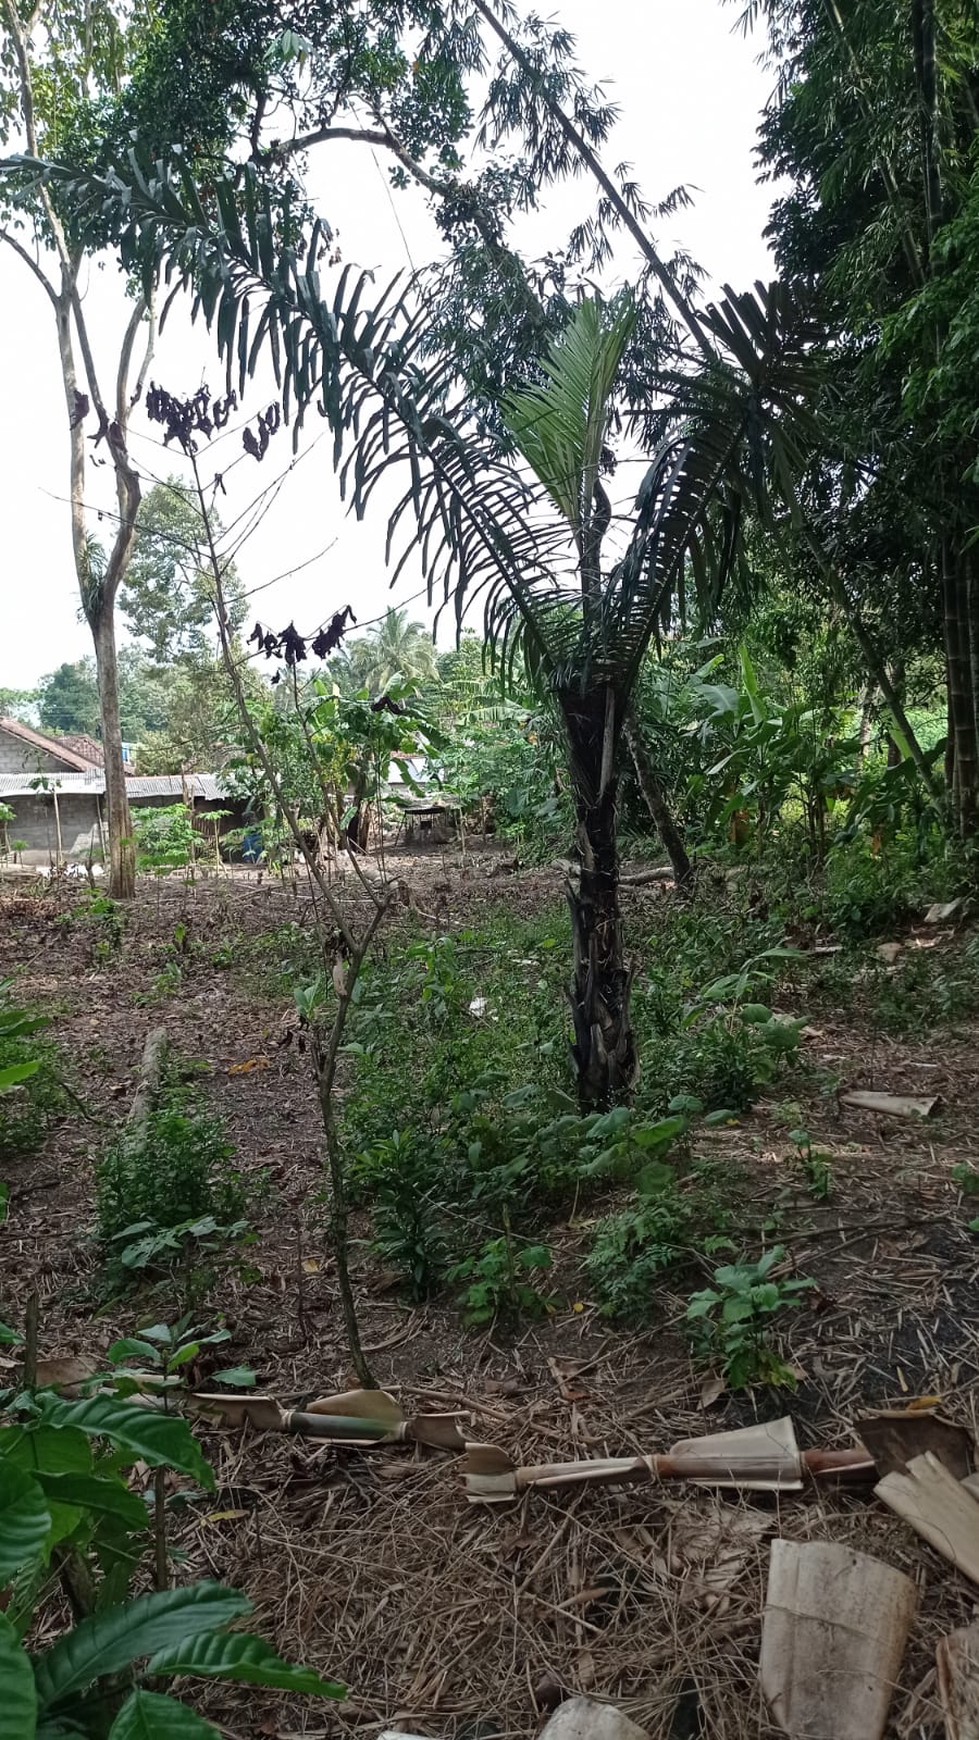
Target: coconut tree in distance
394	647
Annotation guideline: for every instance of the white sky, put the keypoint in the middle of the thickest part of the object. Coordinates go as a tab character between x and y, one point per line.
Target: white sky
690	92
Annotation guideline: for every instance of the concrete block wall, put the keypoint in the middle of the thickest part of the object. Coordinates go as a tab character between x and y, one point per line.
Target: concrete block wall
34	823
19	757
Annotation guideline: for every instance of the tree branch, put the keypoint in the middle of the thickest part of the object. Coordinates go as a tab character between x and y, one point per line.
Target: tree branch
605	182
29	260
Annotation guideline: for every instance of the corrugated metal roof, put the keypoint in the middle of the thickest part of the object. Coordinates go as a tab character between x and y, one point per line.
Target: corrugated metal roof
206	786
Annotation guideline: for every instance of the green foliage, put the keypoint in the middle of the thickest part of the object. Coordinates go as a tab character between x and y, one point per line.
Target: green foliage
31	1094
499	1284
732	1322
718	1042
767	756
173	1200
165	838
159	1356
69	699
168	593
676	1219
817	1168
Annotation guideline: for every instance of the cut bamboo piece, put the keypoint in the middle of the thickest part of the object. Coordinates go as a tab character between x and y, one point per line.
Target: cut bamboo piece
336	1418
834	1633
772	1449
895	1436
440	1431
957	1661
939	1508
890	1105
754	1459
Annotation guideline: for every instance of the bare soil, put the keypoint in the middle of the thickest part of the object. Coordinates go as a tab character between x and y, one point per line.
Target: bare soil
446	1619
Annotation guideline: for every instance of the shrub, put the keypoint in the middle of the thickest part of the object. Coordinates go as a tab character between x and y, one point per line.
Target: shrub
31	1091
70	1511
498	1281
174	1196
731	1323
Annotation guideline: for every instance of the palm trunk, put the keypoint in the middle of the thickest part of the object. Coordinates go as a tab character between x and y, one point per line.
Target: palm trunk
122	852
604	1047
656	800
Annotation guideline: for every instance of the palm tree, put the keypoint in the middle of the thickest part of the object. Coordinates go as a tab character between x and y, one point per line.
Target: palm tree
534	547
394	647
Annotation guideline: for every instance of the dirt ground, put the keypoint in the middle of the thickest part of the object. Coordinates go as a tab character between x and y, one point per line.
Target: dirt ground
448	1619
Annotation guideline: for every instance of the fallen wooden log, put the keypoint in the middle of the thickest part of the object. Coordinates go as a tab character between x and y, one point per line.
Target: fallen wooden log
147	1087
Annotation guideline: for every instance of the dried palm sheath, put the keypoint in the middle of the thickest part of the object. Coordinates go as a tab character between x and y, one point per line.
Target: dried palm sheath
356	1417
834	1632
895	1436
757	1458
957	1661
939	1507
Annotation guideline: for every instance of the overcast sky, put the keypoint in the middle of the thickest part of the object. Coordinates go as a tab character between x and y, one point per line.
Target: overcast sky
690	92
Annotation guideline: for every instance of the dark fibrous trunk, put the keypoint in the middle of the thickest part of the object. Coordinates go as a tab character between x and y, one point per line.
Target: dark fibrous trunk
603	1047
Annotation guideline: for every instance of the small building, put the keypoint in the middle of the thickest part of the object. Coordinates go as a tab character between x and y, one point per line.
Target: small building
62	814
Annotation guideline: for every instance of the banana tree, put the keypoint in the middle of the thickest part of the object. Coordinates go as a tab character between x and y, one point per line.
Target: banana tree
530	539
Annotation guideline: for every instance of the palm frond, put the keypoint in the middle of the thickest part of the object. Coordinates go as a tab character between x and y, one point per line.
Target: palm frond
560	425
359	357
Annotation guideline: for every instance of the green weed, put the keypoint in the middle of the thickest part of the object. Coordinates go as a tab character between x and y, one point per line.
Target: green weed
175	1201
499	1284
731	1323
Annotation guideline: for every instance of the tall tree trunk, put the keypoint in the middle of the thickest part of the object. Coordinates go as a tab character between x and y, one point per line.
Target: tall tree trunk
122	851
656	800
604	1047
896	675
877	670
961	695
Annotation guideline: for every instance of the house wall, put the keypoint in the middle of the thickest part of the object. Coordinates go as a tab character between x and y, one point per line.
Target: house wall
19	757
34	823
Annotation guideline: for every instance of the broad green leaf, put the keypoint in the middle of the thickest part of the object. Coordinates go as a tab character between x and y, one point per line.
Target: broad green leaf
111	1641
18	1697
131	1348
14	1073
103	1497
158	1439
25	1521
151	1716
235	1656
240	1377
46	1449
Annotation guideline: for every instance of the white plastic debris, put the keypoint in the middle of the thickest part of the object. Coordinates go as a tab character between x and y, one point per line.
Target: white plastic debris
586	1719
478	1007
